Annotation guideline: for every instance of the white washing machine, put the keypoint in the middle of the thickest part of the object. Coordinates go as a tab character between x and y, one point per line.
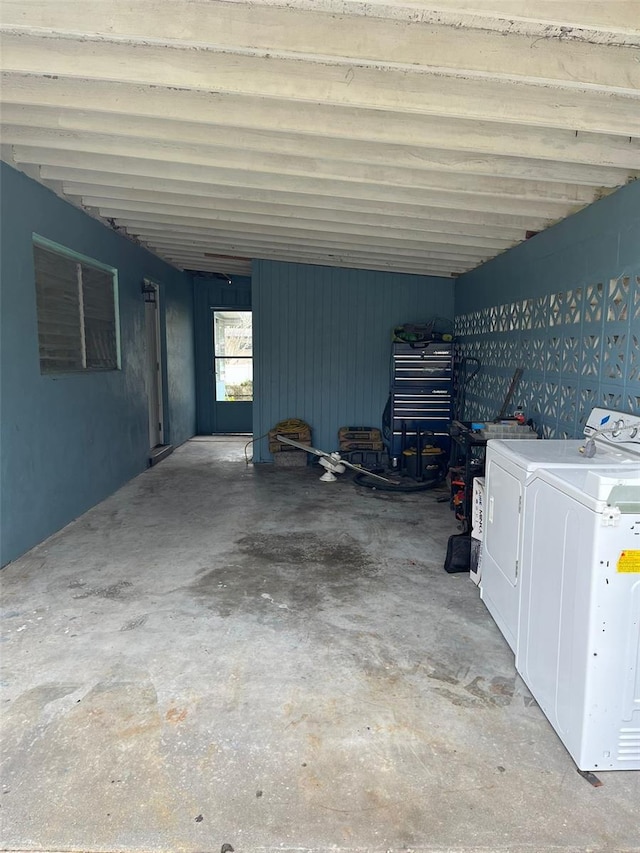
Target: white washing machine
579	634
509	468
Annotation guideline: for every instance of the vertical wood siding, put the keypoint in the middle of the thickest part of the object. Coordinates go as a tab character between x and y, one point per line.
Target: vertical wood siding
322	342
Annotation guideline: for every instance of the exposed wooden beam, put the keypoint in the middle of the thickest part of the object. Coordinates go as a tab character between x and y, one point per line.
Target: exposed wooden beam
347	261
30	125
326	243
192	260
222	265
257	116
251	244
350	84
232	160
248	195
239	211
211	175
446	47
192	219
612	22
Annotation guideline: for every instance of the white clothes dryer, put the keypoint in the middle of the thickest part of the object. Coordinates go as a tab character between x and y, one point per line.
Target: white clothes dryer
579	632
509	469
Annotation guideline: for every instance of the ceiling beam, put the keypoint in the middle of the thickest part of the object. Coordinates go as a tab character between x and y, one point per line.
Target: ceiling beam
234	210
372	86
211	175
210	219
232	160
223	266
29	124
169	228
192	259
248	245
346	38
257	116
326	243
65	175
192	262
310	254
186	218
599	21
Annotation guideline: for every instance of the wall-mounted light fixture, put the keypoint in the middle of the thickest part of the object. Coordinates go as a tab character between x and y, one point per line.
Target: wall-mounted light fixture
149	292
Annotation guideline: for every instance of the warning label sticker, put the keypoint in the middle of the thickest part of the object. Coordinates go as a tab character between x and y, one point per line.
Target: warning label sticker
629	561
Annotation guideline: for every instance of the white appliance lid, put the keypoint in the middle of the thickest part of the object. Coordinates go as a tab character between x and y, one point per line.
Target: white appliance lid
592	487
559	452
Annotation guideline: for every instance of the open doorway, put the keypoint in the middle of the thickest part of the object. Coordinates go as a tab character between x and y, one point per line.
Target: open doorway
232	371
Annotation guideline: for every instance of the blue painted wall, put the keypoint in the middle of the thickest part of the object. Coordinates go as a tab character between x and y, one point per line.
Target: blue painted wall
565	305
322	342
68	441
210	293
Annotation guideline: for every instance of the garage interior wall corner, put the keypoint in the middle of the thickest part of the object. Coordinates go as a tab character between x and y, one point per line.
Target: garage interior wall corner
68	440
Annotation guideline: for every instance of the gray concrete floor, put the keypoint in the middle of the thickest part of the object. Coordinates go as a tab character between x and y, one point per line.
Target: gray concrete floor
221	654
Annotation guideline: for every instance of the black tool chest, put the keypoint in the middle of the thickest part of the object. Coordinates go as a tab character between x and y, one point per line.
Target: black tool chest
421	394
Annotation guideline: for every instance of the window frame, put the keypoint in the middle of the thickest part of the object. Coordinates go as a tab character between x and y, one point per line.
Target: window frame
79	258
216	358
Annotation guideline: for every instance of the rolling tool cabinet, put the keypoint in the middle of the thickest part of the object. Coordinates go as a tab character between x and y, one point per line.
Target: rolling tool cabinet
421	395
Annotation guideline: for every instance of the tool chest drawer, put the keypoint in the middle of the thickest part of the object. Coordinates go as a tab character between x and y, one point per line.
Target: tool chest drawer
429	362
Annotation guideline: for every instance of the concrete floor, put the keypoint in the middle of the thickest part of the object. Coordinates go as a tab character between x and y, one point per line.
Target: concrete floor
221	654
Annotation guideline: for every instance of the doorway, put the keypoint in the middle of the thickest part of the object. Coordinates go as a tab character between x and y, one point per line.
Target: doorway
232	335
154	366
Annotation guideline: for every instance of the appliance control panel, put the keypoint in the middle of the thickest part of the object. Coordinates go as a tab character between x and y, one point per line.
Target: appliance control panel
611	427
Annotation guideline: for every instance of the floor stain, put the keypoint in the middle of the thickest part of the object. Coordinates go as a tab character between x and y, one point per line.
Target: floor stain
176	715
295	571
137	622
114	591
498	692
339	558
502	690
441	675
458	699
102	753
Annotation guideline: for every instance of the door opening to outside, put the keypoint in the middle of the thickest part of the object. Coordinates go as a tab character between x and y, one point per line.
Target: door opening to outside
233	371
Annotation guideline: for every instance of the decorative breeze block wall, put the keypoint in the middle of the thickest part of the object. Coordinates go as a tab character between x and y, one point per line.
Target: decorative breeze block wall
579	349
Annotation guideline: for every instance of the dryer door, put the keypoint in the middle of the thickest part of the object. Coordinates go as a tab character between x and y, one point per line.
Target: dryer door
499	588
504	503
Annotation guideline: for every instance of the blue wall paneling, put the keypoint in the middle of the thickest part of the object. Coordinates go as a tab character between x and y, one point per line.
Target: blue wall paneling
210	293
322	343
69	440
564	305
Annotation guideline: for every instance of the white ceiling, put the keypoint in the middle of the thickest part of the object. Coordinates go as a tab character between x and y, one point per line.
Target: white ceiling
390	134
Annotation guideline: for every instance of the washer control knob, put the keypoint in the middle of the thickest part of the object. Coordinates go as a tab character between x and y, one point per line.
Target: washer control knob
617	429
